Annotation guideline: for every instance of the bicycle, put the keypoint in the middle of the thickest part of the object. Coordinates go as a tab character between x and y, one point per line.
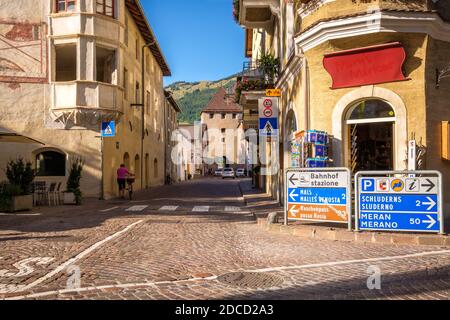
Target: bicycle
130	180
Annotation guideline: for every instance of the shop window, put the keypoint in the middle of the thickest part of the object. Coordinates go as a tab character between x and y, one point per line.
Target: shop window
50	164
106	7
371	126
66	63
65	5
106	65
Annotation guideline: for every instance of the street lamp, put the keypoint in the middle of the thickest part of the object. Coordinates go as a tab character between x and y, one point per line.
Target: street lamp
142	105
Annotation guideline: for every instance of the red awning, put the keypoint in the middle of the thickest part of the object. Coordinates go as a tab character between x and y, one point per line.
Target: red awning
366	66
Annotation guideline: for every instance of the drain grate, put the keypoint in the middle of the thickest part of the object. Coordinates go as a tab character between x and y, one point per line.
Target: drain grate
254	280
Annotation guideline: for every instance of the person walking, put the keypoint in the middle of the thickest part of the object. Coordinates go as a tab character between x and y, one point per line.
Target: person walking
122	174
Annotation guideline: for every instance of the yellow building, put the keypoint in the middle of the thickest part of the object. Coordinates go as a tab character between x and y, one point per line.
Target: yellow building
369	73
66	66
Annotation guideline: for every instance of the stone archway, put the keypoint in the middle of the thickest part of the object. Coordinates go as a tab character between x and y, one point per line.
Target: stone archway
340	128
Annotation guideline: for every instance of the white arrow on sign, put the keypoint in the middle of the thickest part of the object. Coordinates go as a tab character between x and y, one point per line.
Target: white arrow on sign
292	195
432	222
294	211
431	203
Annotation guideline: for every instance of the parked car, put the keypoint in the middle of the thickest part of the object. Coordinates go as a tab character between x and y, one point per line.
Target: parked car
241	172
218	173
228	173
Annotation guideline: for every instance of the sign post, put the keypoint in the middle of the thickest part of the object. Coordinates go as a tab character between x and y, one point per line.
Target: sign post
108	130
318	195
409	201
268	117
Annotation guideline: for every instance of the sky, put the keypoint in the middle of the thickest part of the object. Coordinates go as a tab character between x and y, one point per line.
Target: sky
199	38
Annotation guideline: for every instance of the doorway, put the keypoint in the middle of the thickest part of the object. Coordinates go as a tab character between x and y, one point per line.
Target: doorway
371	132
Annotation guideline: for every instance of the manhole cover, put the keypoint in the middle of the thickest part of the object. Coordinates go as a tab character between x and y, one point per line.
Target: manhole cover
252	280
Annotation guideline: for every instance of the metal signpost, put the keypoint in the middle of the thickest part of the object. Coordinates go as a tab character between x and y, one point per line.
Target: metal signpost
108	130
319	195
399	201
268	117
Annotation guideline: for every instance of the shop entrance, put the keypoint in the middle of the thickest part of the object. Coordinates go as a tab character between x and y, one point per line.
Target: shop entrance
371	130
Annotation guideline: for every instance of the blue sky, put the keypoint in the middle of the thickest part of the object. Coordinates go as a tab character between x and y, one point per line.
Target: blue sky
199	38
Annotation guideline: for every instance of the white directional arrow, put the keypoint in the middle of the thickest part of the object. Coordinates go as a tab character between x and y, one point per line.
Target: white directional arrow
292	195
432	222
431	203
294	211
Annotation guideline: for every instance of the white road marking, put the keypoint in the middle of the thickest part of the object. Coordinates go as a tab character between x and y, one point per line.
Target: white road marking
110	209
232	209
137	208
24	267
76	258
169	208
201	209
153	284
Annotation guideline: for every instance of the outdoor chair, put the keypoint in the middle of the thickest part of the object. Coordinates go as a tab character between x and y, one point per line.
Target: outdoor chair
51	194
38	190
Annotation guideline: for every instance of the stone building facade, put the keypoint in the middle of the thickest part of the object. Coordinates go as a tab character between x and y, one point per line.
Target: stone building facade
359	102
66	67
225	143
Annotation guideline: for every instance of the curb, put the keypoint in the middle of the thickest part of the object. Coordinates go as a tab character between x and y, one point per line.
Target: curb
332	234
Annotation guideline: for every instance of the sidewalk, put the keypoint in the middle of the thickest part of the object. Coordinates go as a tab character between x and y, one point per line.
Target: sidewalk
261	205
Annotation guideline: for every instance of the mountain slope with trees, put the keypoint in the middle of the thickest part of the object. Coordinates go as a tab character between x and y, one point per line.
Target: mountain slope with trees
192	97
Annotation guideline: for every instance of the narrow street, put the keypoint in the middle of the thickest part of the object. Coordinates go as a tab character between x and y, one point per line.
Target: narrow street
191	241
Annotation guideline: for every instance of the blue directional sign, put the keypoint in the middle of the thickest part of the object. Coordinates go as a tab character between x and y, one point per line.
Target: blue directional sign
319	195
108	129
398	204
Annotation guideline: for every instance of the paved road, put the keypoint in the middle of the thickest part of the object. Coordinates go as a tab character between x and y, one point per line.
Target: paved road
197	240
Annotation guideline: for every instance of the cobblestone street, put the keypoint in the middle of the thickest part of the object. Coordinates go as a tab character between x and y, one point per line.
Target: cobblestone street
198	240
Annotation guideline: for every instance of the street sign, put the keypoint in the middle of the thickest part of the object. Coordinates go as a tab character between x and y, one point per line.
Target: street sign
411	202
320	195
108	129
268	117
273	93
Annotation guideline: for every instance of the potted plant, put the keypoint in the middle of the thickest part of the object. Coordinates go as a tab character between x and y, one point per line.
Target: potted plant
270	66
20	175
9	192
73	195
236	9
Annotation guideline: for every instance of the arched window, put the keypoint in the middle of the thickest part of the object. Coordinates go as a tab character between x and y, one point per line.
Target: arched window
50	164
378	110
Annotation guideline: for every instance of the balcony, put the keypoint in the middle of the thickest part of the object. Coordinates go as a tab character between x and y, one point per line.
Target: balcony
71	24
256	77
84	103
256	14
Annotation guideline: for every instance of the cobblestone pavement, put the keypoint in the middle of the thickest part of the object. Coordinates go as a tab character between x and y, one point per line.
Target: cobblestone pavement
197	240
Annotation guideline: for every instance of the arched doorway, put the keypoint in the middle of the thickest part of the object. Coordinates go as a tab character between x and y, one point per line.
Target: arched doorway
126	160
371	136
137	167
147	170
155	168
290	156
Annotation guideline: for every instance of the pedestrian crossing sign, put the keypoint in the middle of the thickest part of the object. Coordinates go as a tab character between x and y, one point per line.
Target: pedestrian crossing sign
108	129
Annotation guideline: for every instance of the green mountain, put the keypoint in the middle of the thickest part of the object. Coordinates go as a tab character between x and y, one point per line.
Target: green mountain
192	97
